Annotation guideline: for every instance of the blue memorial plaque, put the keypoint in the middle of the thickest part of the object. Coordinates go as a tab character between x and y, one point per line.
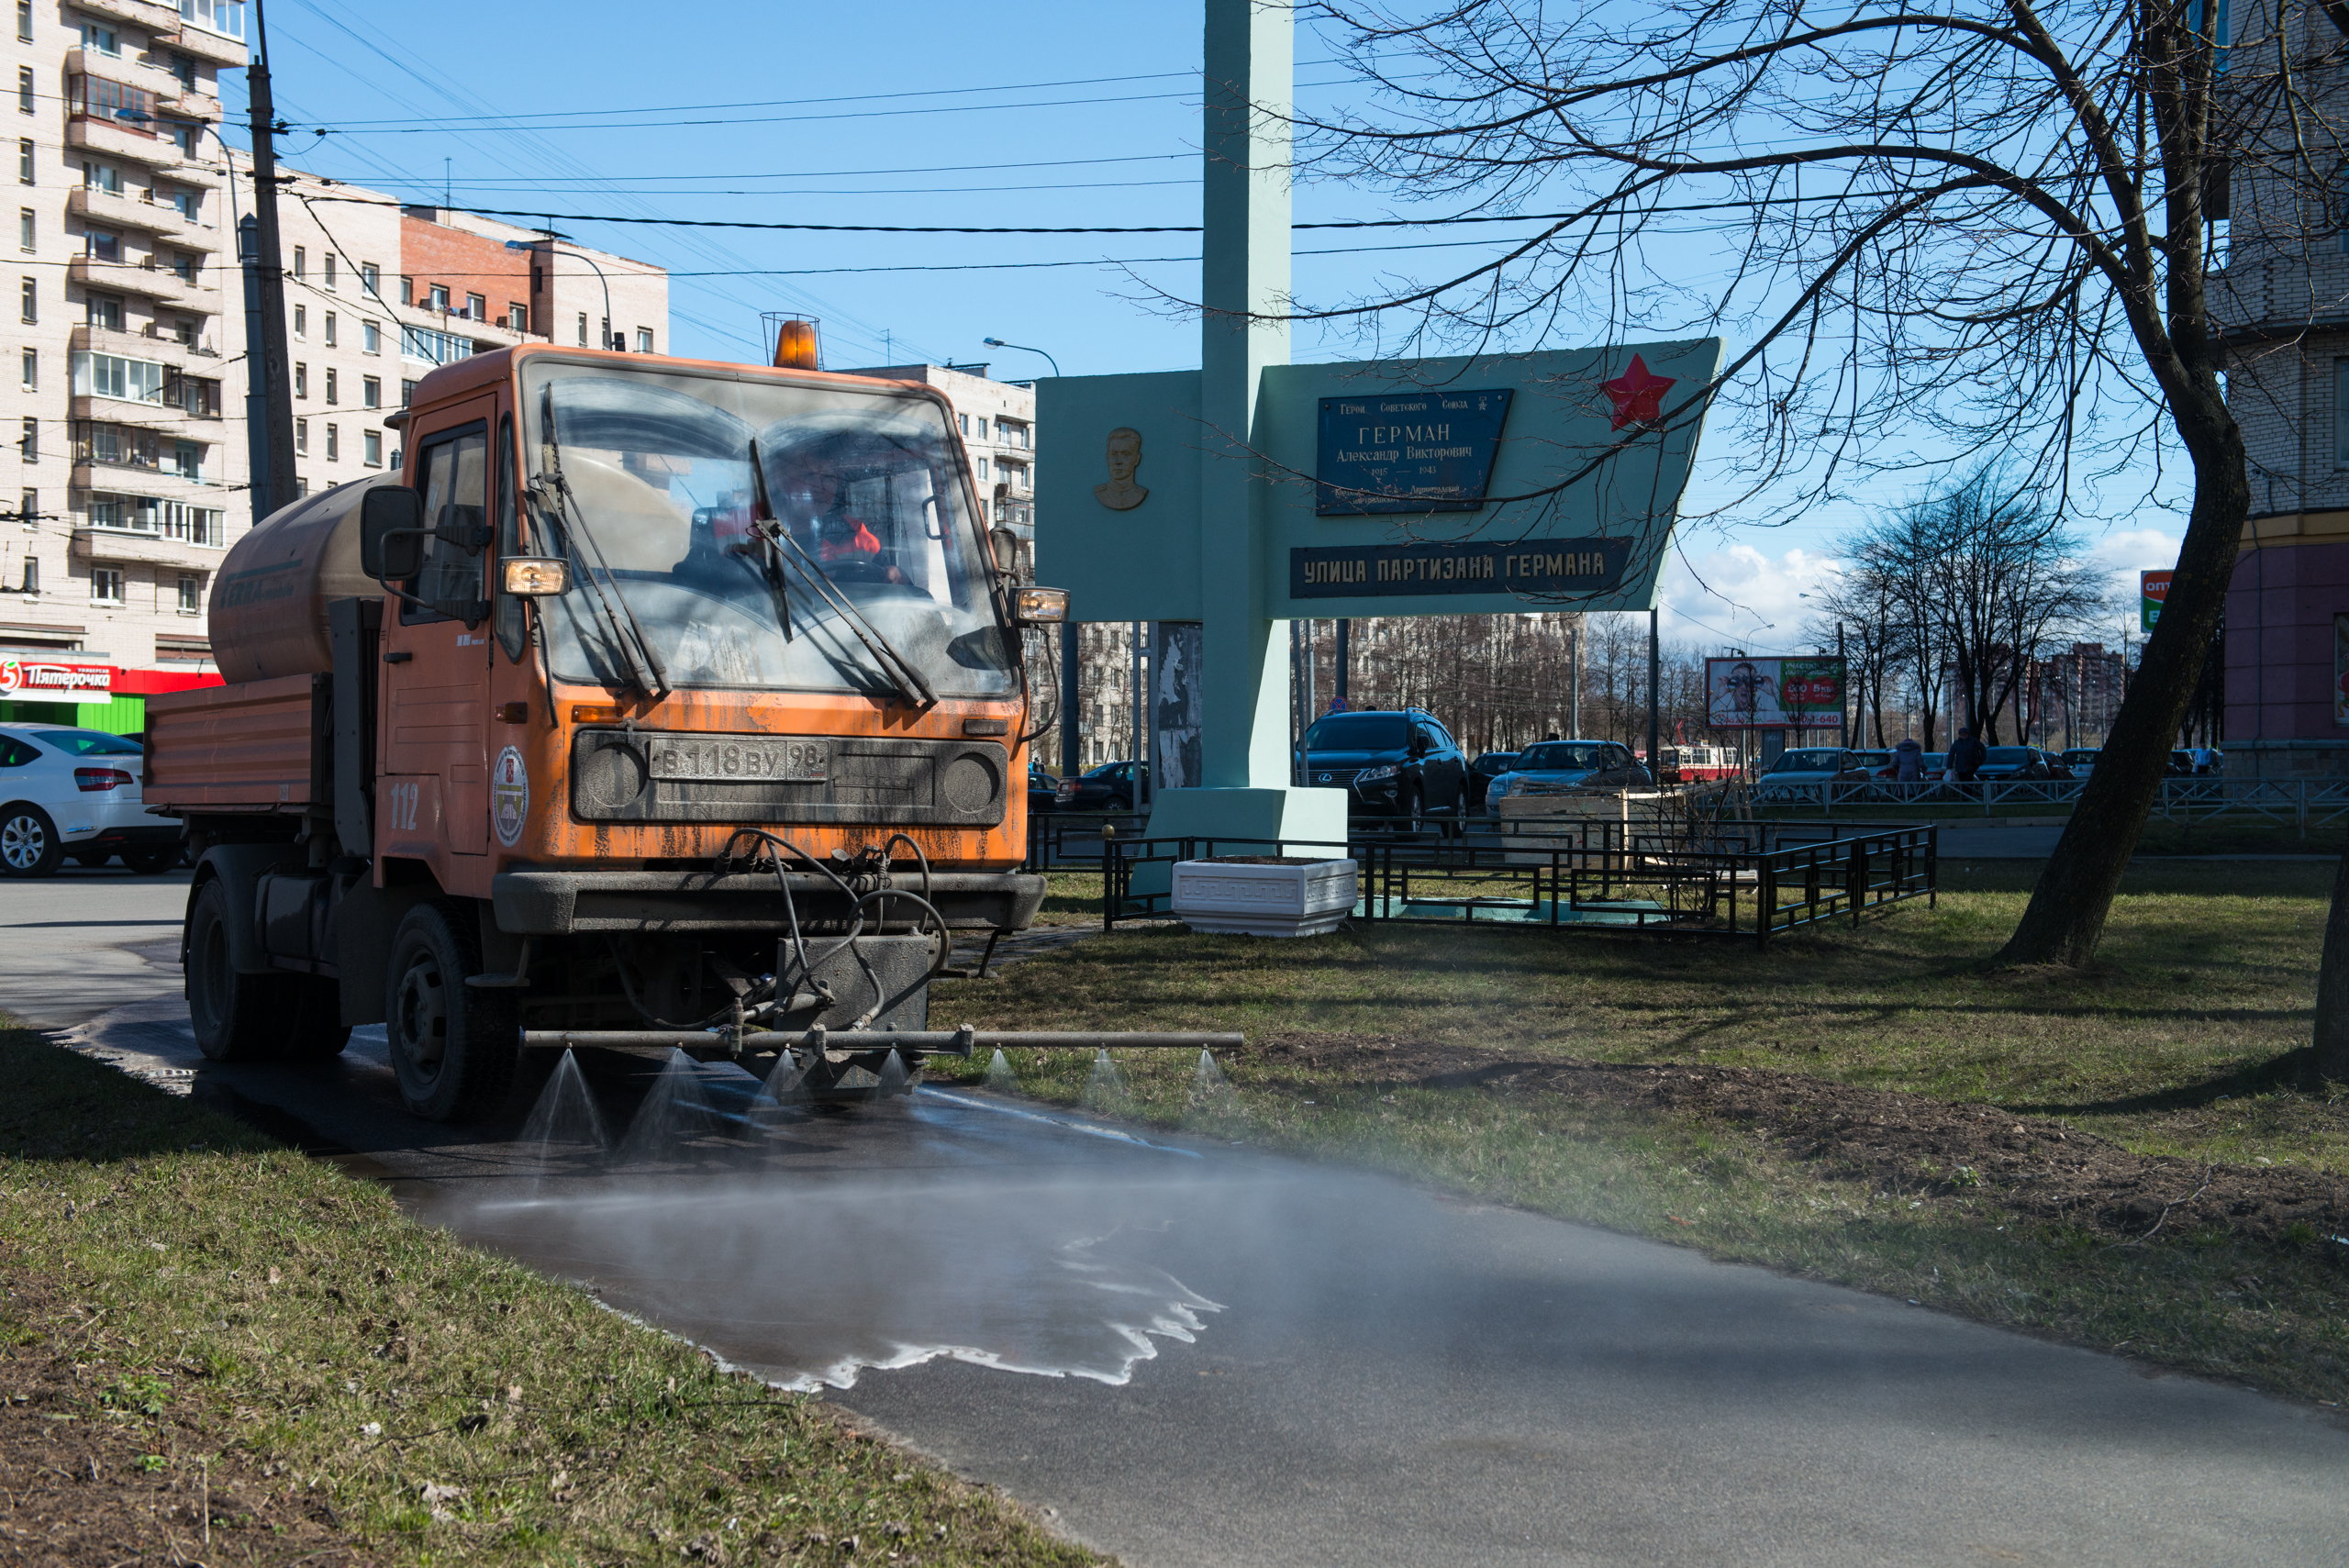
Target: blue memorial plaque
1412	452
1532	567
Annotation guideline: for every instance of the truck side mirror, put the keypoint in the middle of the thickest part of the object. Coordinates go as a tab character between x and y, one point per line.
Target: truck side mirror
391	533
1004	545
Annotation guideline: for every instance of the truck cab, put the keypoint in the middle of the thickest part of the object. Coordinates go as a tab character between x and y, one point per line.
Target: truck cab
652	696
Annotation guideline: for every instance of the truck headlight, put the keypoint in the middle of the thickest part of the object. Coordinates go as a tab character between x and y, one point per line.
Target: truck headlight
535	576
1039	606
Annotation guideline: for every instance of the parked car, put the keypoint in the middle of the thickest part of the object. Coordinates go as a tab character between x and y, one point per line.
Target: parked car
2007	763
1483	772
1396	762
1043	791
1822	764
1554	766
2079	760
66	791
1108	787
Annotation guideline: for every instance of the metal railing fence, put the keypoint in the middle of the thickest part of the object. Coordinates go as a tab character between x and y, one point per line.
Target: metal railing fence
1754	879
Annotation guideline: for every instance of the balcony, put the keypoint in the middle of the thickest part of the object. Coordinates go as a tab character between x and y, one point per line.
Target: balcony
147	15
149	343
128	211
185	103
146	279
163	418
126	477
203	43
150	547
118	139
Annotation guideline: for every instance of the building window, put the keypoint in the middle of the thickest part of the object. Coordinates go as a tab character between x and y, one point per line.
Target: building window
583	328
25	230
183	267
371	337
437	299
301	321
645	339
28	509
226	18
330	327
964	420
330	385
301	263
301	438
334	444
982	426
28	440
328	265
604	331
105	310
102	177
184	137
191	593
32	370
371	448
184	67
407	392
301	378
102	39
408	291
105	584
518	318
25	89
369	278
476	307
32	577
25	160
982	468
24	20
370	392
102	244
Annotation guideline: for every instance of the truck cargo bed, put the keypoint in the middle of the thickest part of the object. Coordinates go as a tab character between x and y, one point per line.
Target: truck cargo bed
242	747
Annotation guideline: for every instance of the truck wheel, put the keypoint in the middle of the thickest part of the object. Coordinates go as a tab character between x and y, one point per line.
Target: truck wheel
453	1045
28	842
238	1018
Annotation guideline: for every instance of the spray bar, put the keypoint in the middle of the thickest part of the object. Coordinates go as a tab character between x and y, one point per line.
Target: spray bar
938	1042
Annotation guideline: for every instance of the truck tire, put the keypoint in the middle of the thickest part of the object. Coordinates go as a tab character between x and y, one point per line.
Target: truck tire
453	1046
29	841
241	1017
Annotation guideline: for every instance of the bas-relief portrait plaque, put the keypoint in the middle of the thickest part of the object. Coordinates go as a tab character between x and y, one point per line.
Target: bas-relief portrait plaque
1123	455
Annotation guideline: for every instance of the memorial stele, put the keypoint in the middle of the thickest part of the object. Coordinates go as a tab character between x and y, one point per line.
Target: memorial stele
1251	491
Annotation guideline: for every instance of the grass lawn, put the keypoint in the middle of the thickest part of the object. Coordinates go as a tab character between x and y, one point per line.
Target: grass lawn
2180	1057
213	1349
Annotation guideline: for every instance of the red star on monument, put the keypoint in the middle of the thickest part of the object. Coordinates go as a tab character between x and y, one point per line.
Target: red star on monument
1639	396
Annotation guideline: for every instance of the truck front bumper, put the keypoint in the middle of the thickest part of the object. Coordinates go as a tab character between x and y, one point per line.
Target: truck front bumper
555	903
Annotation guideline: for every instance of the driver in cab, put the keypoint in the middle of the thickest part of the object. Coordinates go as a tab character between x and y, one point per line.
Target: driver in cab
825	528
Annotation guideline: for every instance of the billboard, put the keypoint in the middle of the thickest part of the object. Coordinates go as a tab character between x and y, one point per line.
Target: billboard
55	680
2153	587
1773	694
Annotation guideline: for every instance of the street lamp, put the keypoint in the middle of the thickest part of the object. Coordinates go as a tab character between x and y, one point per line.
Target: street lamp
999	343
532	245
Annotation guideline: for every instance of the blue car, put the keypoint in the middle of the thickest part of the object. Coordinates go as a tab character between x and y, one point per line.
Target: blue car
1554	766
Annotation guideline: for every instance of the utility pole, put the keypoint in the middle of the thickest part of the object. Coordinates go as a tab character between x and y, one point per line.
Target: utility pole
1071	668
1574	681
1342	663
266	363
1655	671
1843	689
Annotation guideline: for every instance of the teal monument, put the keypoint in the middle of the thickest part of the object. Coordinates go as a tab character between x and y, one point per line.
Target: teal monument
1251	491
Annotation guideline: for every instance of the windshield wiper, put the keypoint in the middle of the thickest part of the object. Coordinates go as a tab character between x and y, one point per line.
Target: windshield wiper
890	664
644	671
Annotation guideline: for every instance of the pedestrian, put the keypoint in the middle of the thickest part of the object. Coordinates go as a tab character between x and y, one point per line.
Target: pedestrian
1966	754
1907	761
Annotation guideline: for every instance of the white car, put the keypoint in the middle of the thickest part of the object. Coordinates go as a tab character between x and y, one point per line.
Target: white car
76	792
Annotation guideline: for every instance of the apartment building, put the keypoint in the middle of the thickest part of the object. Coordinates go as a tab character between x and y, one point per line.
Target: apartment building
127	457
128	437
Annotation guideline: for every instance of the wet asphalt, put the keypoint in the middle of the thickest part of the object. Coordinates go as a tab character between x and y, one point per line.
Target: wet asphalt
1188	1352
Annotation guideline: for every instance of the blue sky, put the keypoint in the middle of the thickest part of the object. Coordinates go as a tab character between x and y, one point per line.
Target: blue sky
1040	113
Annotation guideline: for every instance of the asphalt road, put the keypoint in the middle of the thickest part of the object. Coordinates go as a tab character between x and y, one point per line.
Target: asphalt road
1191	1353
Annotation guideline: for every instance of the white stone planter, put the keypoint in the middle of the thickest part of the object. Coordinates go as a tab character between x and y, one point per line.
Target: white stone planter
1296	898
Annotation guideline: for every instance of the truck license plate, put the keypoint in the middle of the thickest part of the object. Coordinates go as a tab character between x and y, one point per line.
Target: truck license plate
738	759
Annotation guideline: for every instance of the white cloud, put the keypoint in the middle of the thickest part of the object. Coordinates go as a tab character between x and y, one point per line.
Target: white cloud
1739	596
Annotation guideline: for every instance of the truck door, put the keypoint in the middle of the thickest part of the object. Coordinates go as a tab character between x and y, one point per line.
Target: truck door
436	675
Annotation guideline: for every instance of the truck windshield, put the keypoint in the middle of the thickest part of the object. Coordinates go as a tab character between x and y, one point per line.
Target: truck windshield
867	504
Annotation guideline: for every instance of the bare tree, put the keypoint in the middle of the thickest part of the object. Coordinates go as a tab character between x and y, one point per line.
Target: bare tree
1972	233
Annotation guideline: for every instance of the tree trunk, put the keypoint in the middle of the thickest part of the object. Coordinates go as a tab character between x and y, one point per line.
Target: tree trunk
2067	914
2332	984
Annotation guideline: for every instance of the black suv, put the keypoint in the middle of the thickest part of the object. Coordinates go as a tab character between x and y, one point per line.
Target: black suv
1395	763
